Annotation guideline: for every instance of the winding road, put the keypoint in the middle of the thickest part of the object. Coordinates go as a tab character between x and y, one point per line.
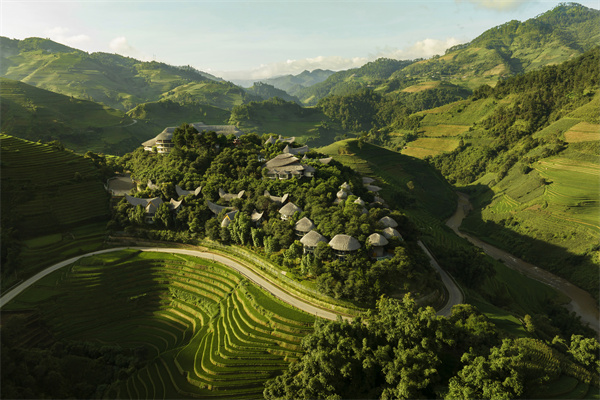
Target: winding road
582	303
455	295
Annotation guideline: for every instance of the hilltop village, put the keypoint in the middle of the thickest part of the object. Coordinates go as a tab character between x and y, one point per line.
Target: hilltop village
307	213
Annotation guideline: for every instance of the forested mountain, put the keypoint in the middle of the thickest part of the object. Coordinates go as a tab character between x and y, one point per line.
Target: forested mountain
110	79
293	83
516	47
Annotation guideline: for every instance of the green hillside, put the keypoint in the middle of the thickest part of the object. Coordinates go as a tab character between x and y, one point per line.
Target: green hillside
277	116
110	79
293	83
169	113
266	91
53	205
81	125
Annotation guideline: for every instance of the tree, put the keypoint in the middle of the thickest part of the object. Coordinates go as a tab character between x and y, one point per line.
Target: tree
585	351
162	216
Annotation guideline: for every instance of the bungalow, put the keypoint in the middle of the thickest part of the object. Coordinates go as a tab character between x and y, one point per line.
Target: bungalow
326	160
164	140
215	208
298	150
304	226
285	166
311	240
289	210
275	199
183	192
392	233
343	245
388	222
377	243
230	196
151	205
256	217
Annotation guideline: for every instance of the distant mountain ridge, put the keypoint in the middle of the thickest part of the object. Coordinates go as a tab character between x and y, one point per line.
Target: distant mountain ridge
560	34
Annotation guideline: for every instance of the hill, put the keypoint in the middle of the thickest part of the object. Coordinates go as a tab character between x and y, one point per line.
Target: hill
513	48
266	91
110	79
53	205
293	83
36	114
277	116
169	113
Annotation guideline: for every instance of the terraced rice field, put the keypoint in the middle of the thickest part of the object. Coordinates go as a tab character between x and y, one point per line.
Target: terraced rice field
48	188
583	132
444	130
209	333
424	147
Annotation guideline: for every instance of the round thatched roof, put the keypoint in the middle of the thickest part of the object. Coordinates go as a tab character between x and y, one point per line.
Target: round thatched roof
289	209
341	194
391	232
304	225
366	180
388	222
344	243
312	239
377	240
359	201
345	186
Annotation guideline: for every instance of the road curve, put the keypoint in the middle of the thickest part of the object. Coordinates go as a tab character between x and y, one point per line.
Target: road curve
582	303
455	295
248	273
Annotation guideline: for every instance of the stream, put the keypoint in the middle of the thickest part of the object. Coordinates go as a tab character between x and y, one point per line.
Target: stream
582	303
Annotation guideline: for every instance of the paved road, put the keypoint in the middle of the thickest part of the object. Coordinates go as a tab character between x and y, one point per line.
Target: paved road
455	295
581	301
251	275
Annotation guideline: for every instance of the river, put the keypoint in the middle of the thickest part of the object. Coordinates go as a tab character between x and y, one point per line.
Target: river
582	303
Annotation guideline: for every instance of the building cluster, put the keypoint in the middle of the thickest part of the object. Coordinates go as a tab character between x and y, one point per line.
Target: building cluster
163	142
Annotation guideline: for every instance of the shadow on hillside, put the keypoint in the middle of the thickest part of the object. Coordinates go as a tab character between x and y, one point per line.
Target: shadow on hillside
577	269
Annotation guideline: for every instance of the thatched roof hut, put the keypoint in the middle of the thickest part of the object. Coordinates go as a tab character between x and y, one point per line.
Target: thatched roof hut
256	216
326	160
388	222
303	226
359	201
343	244
391	232
215	208
298	150
372	188
289	210
230	196
377	240
183	192
311	240
278	200
366	180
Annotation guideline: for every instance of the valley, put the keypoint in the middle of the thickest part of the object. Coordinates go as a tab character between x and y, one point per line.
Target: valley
409	228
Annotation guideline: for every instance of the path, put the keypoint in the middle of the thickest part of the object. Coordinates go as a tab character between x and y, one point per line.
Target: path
582	303
455	295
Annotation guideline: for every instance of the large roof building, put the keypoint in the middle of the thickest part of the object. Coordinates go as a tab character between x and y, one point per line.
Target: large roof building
164	140
343	245
285	166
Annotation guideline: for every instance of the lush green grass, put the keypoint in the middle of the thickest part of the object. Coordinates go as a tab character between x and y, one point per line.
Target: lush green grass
209	332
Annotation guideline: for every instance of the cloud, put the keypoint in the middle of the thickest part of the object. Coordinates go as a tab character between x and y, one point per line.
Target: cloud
422	49
501	5
62	35
120	45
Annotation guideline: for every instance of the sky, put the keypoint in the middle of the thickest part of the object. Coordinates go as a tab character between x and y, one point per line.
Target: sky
257	39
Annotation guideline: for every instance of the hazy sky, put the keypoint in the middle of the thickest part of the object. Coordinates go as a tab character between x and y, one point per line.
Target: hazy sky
256	39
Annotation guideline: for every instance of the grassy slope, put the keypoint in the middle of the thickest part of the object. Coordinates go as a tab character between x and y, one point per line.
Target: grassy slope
204	326
167	113
36	114
54	200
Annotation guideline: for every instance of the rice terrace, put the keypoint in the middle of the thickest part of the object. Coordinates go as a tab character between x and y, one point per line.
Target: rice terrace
283	206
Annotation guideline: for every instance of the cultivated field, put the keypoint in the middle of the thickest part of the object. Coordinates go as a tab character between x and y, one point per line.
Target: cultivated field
423	147
209	333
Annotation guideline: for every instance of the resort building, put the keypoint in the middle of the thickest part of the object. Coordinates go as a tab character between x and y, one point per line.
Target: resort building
311	240
377	243
285	166
392	233
275	199
183	192
164	140
343	245
387	222
304	226
298	150
230	196
289	210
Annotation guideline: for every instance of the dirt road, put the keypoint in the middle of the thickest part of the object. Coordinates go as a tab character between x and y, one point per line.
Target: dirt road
581	303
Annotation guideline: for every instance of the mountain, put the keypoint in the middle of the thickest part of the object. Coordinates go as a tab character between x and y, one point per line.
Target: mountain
266	91
513	48
81	125
293	83
169	113
110	79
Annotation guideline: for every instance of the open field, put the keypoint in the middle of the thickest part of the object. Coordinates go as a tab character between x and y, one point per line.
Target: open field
204	326
583	132
423	147
444	130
